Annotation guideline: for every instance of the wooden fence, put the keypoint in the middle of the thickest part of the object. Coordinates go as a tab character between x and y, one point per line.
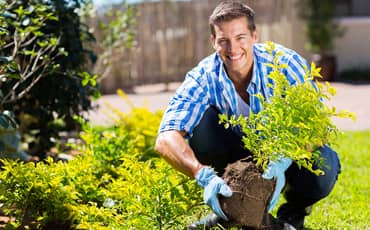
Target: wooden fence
173	36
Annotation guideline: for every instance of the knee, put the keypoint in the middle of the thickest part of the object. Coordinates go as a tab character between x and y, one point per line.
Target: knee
324	184
331	164
213	144
303	183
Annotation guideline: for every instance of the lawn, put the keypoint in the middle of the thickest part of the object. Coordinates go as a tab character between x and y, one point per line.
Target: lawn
348	206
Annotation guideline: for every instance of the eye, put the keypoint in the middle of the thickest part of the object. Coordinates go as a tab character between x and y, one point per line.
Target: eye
222	41
241	38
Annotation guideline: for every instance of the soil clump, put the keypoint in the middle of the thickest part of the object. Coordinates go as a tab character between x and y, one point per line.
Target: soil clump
251	195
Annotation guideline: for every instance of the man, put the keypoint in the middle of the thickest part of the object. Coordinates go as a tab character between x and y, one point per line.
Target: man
191	139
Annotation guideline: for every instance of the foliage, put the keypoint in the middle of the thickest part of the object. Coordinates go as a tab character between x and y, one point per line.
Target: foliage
43	66
118	182
39	193
115	33
294	121
321	28
93	191
27	55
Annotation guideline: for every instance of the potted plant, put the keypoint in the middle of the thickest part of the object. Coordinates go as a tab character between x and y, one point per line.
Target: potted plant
293	123
321	30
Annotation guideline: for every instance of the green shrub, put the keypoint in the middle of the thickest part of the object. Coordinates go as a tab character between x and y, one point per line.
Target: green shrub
117	182
36	192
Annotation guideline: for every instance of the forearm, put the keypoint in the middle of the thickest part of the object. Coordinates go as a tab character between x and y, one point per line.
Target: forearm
176	151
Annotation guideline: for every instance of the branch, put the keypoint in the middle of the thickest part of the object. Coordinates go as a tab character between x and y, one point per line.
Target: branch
31	60
28	42
26	74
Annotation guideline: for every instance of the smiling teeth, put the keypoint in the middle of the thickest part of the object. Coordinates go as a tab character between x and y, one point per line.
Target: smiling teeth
235	57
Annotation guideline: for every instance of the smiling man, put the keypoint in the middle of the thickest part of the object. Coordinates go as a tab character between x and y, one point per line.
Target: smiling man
192	140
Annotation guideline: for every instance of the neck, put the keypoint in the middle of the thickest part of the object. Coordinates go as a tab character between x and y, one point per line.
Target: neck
241	80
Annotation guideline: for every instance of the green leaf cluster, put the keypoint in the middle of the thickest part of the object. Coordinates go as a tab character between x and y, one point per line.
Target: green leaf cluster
44	56
37	193
27	52
294	121
117	182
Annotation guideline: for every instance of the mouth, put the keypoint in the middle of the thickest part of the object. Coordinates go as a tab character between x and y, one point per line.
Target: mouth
235	57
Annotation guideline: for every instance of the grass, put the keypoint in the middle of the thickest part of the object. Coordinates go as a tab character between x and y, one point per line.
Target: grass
348	205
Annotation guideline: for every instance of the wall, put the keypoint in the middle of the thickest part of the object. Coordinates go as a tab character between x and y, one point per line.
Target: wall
172	37
353	48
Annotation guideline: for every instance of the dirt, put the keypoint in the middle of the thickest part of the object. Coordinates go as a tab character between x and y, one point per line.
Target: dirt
251	195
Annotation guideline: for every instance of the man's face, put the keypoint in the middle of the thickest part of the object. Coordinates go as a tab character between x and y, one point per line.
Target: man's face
234	43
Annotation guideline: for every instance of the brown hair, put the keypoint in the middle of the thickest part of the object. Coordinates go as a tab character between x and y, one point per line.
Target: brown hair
229	10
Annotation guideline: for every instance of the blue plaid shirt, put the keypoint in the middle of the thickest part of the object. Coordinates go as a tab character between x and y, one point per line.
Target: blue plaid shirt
208	85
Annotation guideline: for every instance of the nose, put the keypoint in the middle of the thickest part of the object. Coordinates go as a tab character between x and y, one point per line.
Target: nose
232	46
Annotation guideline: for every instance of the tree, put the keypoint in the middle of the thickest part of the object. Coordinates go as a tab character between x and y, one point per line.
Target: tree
321	30
43	66
115	34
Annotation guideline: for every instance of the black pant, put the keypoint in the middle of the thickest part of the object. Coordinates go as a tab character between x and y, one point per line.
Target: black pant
216	146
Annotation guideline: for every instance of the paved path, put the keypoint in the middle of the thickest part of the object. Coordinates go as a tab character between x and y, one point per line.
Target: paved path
355	98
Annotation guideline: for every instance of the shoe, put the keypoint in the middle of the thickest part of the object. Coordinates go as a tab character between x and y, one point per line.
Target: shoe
271	223
292	218
289	225
209	221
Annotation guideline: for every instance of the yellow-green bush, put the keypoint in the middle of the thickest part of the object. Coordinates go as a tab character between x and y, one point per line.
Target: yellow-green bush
117	182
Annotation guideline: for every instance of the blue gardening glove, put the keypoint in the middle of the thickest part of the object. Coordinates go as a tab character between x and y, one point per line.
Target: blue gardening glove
276	169
213	185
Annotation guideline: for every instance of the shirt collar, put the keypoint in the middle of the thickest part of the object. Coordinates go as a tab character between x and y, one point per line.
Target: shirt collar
228	89
253	84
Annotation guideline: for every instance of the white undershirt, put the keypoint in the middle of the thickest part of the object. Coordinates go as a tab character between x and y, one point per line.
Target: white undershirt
243	107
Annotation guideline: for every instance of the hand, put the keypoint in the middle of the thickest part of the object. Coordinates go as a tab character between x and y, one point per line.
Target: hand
276	169
213	185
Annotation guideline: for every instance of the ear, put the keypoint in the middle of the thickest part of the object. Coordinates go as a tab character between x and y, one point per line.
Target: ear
212	39
255	36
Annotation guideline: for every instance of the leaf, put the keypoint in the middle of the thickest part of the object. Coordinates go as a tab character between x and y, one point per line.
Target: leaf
315	71
42	43
31	53
332	91
54	41
20	11
62	51
38	33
